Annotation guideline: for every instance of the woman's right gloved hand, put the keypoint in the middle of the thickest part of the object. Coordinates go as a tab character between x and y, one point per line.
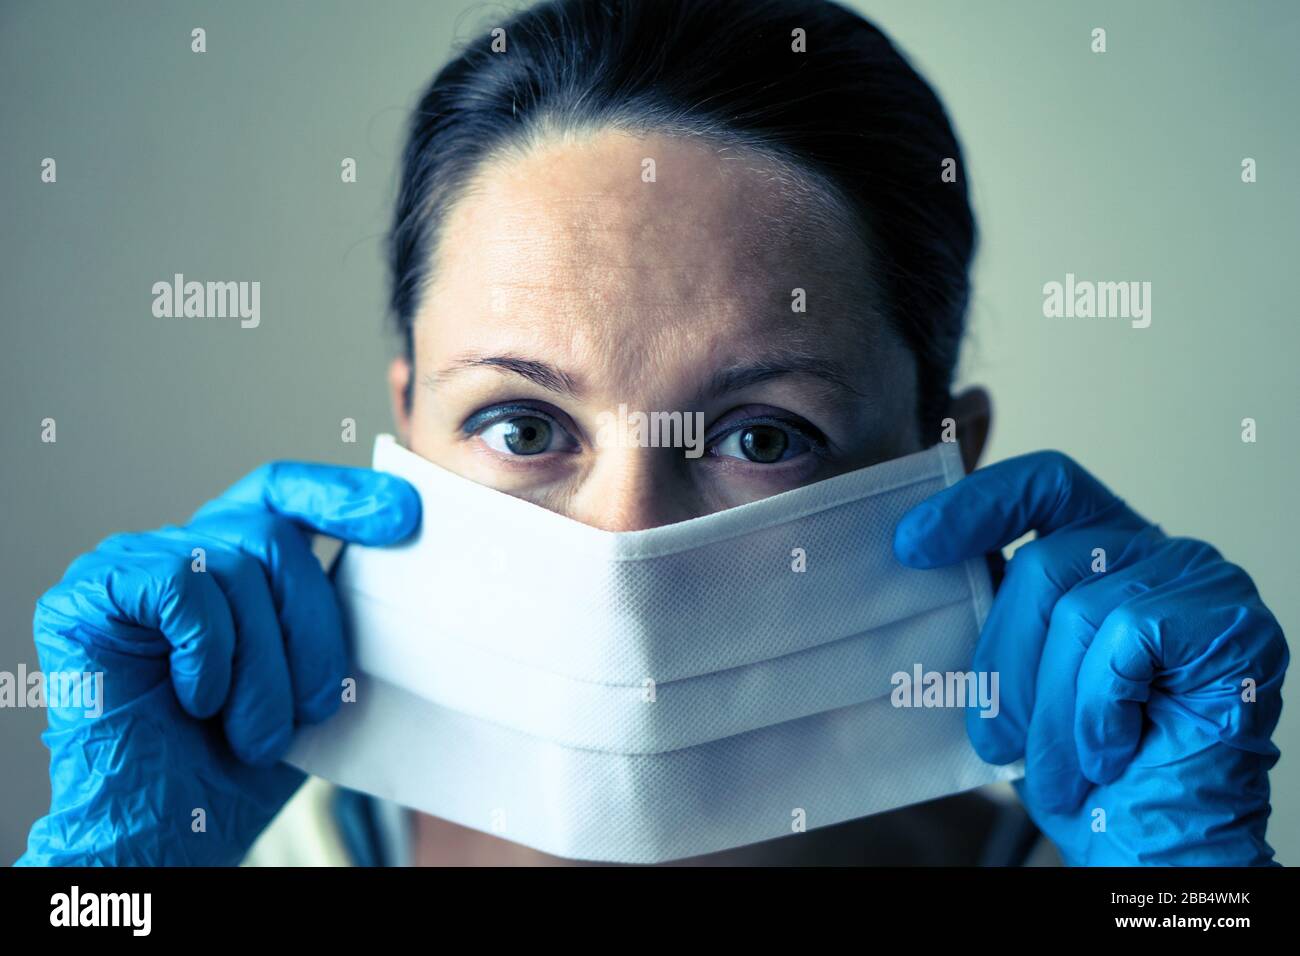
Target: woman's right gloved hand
214	640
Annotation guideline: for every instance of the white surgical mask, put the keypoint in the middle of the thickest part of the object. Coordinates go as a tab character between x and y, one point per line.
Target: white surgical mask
649	695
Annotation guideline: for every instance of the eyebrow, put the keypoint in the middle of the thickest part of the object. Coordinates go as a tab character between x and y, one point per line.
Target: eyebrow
539	373
746	374
732	378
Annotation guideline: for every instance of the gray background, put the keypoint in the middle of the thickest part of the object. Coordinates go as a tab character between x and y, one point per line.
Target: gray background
225	165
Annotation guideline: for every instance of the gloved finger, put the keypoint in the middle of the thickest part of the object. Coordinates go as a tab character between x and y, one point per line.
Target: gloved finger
1224	656
1143	818
1012	639
131	580
1191	641
354	504
991	507
258	713
1054	776
305	604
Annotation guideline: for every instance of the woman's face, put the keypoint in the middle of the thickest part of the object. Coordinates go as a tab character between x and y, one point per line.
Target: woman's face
568	294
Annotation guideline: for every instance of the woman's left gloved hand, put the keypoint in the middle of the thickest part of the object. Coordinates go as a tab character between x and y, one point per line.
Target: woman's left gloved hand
1140	675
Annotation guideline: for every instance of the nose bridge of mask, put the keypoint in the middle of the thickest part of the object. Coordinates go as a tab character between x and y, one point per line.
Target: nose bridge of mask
650	641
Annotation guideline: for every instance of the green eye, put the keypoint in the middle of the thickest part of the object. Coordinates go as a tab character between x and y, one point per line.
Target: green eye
763	443
521	435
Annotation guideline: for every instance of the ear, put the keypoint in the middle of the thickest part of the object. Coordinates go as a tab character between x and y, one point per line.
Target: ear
972	410
399	378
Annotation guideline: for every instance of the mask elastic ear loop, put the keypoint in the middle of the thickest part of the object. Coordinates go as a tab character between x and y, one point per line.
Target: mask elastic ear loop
980	588
409	391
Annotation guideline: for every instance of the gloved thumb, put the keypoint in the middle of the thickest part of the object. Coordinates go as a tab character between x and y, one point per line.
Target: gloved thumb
989	508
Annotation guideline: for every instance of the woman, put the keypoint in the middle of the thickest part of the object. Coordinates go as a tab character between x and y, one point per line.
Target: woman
754	211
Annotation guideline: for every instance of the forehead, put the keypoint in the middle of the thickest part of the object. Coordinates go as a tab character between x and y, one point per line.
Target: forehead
570	245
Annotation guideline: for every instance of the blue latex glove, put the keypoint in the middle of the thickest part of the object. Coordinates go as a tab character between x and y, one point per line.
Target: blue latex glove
205	673
1122	690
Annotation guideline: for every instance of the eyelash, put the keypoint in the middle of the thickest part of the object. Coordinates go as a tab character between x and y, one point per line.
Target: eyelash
482	420
488	416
